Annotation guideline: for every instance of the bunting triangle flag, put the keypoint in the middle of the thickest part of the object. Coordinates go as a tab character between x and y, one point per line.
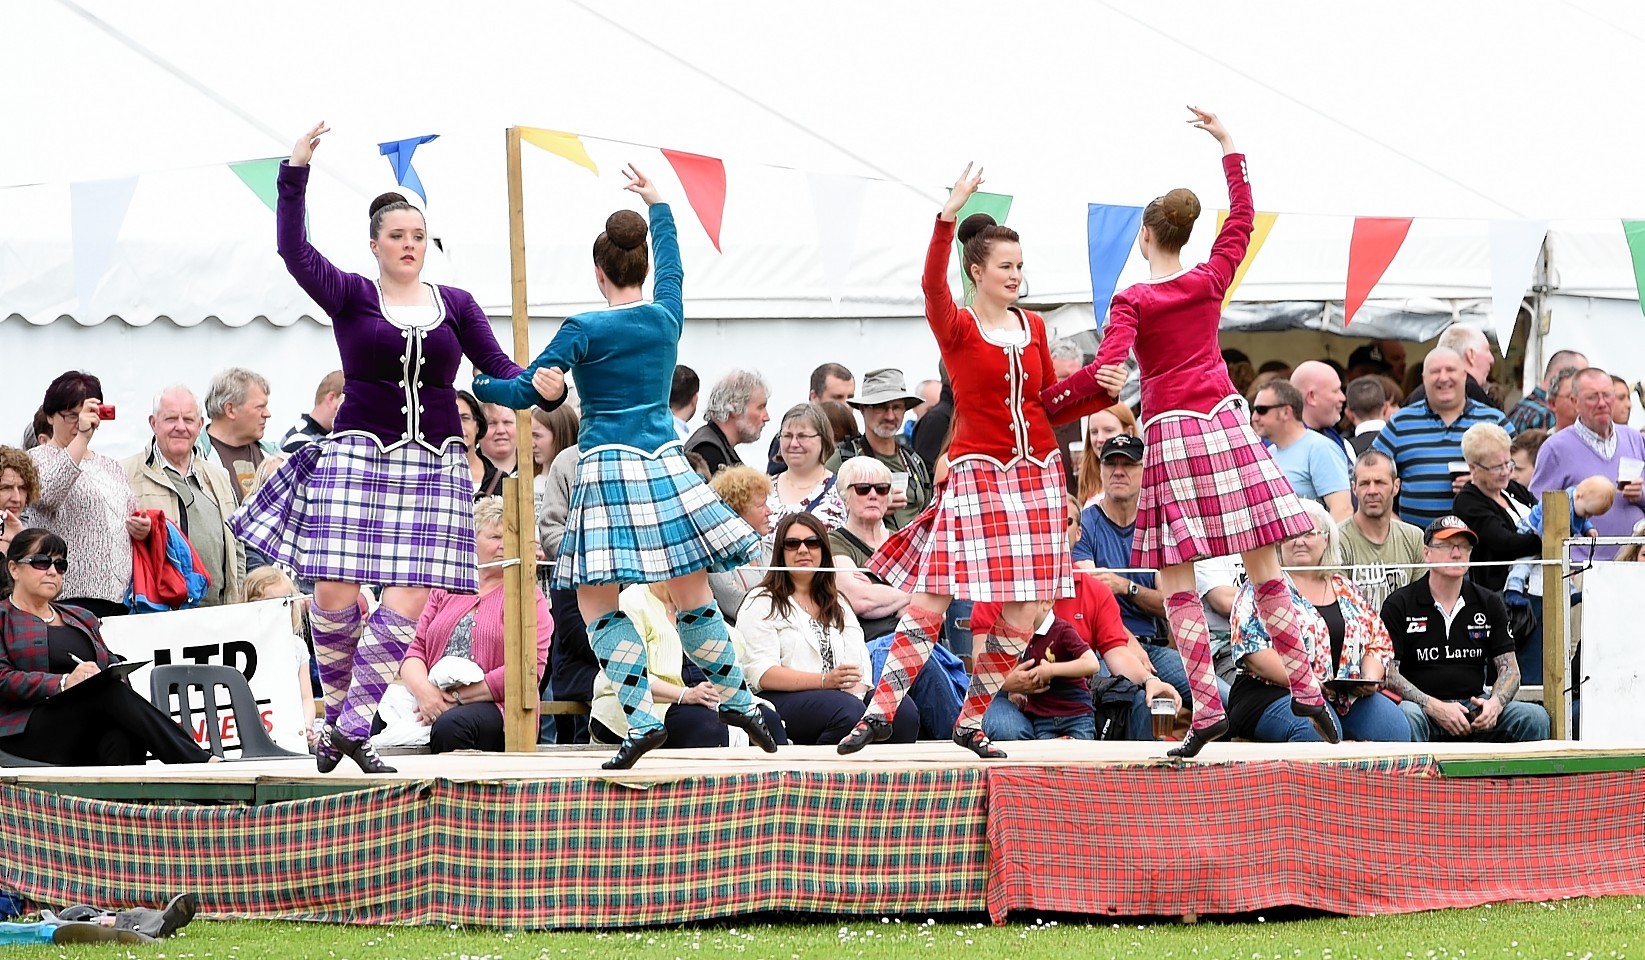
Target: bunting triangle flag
1110	231
399	154
1514	247
97	209
837	202
996	205
1634	231
1371	249
567	145
1261	225
260	176
704	181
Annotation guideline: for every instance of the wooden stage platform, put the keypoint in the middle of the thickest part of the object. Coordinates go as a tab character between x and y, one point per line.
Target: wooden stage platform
549	840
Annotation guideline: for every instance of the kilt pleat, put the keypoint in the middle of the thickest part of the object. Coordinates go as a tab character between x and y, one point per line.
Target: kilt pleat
1210	489
991	534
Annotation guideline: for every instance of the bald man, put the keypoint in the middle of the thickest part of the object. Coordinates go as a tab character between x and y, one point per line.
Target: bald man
1322	400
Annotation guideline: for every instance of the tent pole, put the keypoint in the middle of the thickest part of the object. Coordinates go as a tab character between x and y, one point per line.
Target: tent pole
520	517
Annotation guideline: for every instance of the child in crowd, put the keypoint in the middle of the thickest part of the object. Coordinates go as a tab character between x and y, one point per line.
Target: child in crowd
1064	661
1590	498
269	583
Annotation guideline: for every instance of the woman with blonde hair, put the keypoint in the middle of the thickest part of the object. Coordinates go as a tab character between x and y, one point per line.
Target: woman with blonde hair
269	583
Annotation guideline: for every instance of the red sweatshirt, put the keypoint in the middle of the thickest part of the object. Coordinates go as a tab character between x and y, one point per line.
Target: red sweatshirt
1172	323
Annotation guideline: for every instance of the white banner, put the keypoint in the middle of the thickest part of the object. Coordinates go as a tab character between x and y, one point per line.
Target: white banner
253	638
97	210
1613	660
1514	248
837	203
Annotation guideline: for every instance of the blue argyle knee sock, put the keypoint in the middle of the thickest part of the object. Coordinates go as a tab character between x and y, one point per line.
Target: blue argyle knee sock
708	644
622	656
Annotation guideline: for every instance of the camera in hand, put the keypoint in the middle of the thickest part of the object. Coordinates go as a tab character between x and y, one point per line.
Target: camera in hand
105	411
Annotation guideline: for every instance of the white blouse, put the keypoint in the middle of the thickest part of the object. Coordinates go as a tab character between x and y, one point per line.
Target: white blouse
770	640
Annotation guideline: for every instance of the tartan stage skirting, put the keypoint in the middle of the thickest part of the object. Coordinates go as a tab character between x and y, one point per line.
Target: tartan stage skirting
1373	835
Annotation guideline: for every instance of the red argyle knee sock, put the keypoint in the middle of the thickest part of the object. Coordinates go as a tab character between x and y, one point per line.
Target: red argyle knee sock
1279	617
1001	649
917	632
1187	618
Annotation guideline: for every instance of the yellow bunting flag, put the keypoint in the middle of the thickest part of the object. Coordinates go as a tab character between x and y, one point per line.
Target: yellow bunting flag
1261	225
567	145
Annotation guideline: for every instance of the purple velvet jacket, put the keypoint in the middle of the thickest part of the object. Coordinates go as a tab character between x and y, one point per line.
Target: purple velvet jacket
25	677
398	382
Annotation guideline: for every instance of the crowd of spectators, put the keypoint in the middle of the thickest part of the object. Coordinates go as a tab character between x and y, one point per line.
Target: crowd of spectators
1409	474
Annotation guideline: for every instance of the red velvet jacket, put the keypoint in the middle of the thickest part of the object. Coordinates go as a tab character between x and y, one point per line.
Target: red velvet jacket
25	677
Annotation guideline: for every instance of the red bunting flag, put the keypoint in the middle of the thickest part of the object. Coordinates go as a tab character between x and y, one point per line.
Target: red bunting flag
1372	248
704	181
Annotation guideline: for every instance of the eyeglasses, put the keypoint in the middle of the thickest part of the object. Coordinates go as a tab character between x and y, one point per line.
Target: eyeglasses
1261	409
864	489
43	562
1311	534
1505	466
790	437
795	543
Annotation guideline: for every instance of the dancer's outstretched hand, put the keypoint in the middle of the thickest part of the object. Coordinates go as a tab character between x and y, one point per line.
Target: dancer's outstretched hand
304	151
549	382
638	183
1207	121
1111	377
964	187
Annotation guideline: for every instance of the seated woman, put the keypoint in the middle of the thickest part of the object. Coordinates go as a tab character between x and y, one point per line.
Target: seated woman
807	486
19	487
744	490
1347	644
804	648
470	716
1099	427
47	652
865	483
688	702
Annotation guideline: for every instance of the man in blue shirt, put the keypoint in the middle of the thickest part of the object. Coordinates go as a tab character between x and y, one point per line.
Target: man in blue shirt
1107	528
1425	439
1315	465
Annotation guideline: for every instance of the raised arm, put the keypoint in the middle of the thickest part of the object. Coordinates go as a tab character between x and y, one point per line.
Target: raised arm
668	277
319	278
1229	248
940	311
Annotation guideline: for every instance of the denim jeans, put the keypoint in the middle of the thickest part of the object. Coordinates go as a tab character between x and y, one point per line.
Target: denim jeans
1004	721
1080	727
954	637
1168	664
1518	723
1279	725
938	701
1377	719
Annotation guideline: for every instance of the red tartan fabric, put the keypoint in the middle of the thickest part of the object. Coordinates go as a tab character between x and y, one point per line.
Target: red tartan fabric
1251	836
990	534
1210	489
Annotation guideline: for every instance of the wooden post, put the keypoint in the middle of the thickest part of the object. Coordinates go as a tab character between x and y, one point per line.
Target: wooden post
519	509
1556	529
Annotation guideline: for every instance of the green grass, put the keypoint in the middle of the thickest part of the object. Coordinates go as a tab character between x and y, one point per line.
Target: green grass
1574	929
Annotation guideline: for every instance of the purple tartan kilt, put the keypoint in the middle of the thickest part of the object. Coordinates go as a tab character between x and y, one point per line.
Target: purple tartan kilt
343	510
1210	489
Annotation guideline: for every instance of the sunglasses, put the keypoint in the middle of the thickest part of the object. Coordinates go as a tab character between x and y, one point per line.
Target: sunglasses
1261	409
863	489
795	543
42	562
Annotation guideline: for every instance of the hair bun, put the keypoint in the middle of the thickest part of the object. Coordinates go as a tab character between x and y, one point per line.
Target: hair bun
1180	207
973	225
384	201
626	229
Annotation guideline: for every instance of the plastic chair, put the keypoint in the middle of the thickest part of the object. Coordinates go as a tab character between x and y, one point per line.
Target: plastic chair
179	679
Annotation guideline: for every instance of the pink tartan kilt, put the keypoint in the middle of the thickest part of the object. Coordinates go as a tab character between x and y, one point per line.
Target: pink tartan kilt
1210	489
991	534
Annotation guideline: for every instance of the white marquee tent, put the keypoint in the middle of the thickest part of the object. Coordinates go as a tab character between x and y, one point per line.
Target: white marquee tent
1487	112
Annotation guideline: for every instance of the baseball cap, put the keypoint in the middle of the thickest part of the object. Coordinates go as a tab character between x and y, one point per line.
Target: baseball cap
1447	527
1122	445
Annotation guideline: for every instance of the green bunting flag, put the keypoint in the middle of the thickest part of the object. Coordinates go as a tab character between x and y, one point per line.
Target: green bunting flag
259	175
1634	230
996	205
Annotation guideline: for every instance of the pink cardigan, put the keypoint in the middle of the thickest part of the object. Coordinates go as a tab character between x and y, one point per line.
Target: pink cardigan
440	618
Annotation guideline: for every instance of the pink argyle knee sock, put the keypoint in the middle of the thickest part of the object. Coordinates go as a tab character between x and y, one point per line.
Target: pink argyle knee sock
1279	617
1187	618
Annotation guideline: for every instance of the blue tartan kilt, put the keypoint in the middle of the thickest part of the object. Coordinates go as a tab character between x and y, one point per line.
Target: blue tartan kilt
646	519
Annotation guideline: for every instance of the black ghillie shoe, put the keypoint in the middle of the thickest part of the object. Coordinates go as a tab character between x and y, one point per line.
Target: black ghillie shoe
868	730
754	723
1320	714
326	752
633	748
361	752
1197	738
972	739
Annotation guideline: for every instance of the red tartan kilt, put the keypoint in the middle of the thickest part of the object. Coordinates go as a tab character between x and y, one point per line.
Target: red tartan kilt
1210	489
991	534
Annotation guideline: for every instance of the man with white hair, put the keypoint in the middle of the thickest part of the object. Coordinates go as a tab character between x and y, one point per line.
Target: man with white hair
237	404
1535	411
1474	349
193	492
1066	360
1424	439
735	414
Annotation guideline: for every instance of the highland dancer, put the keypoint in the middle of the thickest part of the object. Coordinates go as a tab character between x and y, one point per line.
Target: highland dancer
995	530
639	513
1209	488
386	499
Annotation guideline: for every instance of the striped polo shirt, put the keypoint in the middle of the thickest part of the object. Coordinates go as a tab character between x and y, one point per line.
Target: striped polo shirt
1423	447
